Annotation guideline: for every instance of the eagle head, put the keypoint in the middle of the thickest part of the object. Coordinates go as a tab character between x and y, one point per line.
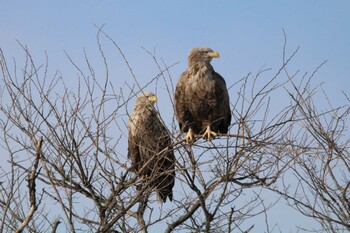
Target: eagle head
202	55
146	99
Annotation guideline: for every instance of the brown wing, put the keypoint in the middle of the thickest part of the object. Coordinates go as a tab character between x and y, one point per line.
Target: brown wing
133	153
163	169
223	104
183	115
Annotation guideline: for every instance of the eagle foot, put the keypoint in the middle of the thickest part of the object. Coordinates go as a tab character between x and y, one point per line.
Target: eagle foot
190	136
208	134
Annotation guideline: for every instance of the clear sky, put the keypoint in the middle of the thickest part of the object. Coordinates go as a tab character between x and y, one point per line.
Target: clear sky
247	34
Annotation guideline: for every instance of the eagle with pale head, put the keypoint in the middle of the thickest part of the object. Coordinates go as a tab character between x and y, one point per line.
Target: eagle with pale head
202	103
149	147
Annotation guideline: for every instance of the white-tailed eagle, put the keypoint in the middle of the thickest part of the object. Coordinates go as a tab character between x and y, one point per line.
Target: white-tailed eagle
148	147
202	104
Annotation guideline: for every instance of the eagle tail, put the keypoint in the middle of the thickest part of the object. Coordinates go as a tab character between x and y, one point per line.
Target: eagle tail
162	195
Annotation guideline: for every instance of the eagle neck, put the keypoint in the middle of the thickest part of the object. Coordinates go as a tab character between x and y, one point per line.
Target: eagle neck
199	63
201	67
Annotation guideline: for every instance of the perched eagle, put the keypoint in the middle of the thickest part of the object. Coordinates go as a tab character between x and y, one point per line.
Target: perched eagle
147	143
202	102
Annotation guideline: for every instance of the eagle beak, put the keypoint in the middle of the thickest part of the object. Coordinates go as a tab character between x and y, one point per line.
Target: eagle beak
214	54
152	99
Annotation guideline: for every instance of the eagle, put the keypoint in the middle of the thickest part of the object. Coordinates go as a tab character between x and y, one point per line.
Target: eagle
202	104
149	147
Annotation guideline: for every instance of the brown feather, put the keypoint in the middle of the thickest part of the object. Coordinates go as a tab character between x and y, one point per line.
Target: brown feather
148	136
201	96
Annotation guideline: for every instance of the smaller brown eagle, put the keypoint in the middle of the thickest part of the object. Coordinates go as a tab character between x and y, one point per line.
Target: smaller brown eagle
202	103
149	147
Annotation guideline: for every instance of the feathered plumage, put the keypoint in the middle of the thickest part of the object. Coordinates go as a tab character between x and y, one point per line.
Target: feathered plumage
202	102
147	143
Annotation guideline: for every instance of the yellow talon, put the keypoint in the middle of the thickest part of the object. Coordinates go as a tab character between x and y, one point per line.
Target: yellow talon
190	136
208	134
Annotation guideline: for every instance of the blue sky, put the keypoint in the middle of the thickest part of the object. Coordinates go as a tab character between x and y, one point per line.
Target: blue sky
247	34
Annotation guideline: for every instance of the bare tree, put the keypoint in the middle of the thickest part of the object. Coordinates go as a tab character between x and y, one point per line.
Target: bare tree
66	140
322	164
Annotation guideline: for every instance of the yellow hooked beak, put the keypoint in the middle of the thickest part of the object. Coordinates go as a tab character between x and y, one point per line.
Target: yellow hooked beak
214	54
152	99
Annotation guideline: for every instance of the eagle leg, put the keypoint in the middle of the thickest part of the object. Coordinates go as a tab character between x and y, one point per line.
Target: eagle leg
208	134
190	136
